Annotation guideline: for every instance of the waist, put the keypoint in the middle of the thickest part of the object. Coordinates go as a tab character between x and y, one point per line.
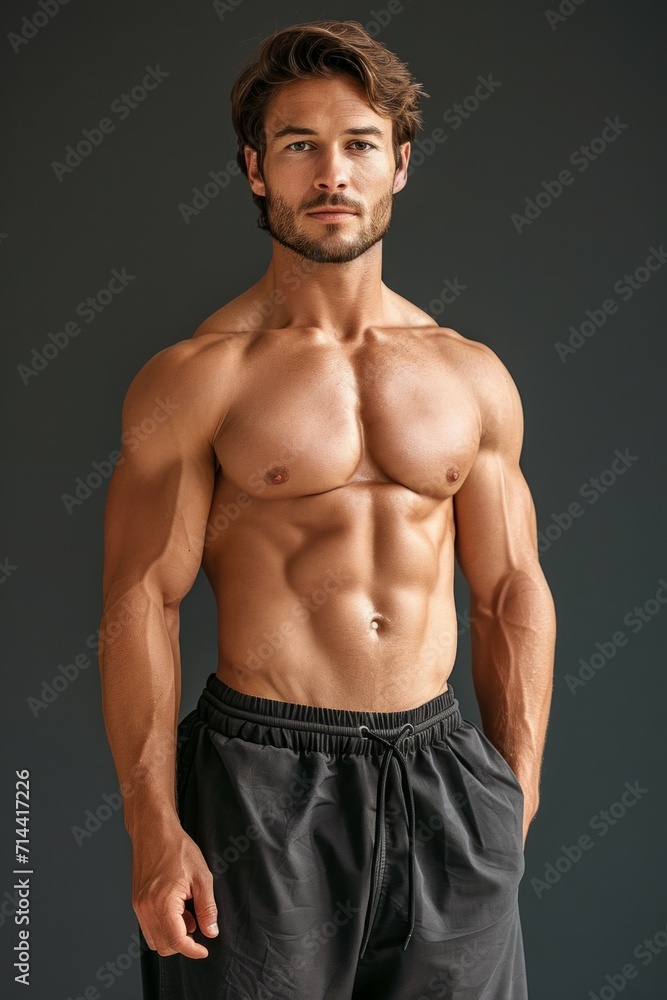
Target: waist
359	652
234	713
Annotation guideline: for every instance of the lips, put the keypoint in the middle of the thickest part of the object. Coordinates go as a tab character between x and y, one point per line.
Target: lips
332	211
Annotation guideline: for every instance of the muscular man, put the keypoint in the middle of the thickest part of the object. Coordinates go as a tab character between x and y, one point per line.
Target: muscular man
325	824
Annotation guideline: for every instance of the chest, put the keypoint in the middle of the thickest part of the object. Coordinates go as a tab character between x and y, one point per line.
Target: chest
312	417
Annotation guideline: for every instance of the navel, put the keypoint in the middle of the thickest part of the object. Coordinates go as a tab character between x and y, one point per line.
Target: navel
277	475
378	621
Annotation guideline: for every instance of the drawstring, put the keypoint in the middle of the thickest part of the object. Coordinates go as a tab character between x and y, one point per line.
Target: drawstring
380	831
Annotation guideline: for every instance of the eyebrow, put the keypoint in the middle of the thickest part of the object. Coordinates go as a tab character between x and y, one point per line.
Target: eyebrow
296	130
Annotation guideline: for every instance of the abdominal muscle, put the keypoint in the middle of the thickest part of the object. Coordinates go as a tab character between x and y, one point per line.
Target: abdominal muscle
342	599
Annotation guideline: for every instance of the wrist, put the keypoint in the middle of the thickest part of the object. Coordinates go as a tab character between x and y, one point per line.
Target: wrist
155	818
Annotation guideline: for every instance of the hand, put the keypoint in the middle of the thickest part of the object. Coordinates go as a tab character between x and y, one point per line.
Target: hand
167	869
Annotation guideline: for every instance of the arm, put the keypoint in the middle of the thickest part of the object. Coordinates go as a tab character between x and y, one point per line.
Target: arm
155	516
513	616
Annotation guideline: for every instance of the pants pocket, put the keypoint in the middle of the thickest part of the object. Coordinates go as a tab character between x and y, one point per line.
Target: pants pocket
494	798
500	761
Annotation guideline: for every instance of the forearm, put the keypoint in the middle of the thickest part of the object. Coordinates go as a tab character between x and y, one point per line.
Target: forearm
140	698
513	641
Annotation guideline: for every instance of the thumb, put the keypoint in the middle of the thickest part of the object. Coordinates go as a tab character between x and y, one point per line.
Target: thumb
205	906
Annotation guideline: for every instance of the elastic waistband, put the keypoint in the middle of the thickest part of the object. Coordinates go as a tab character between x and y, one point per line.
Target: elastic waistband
328	730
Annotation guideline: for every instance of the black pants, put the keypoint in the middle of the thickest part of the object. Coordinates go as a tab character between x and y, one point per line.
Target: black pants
356	855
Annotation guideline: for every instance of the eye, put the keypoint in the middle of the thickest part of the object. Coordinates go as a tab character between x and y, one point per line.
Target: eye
299	142
363	142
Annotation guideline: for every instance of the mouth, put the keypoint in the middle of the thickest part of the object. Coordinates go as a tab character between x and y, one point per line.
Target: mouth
332	214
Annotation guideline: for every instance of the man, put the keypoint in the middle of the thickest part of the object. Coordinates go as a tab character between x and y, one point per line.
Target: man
325	824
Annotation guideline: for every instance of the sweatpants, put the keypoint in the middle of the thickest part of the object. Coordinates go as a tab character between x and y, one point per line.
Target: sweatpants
355	855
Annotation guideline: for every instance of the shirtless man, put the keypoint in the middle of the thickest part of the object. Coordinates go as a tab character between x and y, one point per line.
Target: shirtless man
325	824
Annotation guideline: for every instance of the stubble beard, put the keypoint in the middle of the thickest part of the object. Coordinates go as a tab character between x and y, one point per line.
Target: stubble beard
333	246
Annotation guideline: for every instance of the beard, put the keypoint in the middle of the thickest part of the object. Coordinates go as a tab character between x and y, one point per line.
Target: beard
335	245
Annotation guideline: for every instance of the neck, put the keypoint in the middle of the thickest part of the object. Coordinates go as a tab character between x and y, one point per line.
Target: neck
341	298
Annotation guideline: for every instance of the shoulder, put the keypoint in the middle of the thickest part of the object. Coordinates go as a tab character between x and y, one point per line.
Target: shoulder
491	384
460	349
476	357
191	380
233	320
488	366
474	361
179	363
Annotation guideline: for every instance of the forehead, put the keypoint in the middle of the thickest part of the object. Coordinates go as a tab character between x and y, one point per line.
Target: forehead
321	103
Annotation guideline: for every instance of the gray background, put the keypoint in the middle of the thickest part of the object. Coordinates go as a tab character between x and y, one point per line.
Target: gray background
120	208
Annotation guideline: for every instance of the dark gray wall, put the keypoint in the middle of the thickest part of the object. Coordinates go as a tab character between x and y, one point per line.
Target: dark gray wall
525	291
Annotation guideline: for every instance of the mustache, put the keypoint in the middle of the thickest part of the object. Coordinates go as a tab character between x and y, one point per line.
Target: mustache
323	205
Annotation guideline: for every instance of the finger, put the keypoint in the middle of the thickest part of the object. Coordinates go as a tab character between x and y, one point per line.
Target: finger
190	922
162	931
205	905
175	936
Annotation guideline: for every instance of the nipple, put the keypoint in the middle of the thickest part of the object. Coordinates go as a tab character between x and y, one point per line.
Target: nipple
276	475
452	474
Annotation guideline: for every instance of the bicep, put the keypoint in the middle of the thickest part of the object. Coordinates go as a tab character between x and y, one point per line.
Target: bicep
495	519
160	493
496	528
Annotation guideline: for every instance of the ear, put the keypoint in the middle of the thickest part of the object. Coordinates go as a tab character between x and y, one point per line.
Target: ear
401	175
254	177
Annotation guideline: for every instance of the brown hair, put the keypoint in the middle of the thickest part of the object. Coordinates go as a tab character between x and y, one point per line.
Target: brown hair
323	48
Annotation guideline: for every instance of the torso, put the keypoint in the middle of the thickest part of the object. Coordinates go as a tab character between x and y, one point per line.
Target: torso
330	540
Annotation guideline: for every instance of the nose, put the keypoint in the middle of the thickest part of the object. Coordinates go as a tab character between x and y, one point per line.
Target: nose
332	171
